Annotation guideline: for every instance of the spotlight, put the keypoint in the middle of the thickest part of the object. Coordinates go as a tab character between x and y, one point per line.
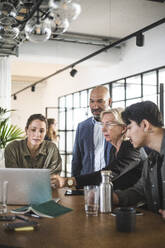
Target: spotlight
73	72
140	39
33	88
15	97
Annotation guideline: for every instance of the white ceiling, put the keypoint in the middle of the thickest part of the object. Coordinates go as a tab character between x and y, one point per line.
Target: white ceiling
116	18
111	18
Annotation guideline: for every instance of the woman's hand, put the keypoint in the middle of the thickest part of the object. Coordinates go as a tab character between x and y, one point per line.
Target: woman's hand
162	212
58	181
115	199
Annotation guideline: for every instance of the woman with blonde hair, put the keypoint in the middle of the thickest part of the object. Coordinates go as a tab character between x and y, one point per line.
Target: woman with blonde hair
125	160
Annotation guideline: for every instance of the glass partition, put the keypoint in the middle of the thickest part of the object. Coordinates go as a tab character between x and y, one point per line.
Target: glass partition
118	92
150	86
74	107
133	87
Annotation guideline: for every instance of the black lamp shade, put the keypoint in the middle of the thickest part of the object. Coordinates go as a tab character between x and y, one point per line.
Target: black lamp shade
73	72
140	40
33	88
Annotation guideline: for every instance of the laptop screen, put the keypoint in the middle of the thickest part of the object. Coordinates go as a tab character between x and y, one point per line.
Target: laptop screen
27	186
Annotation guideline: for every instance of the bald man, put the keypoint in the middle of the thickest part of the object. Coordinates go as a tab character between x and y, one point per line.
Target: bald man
91	150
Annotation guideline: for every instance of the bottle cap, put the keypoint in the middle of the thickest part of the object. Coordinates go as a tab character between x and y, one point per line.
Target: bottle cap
106	172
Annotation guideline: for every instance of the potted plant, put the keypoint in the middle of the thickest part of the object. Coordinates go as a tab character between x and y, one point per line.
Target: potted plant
8	132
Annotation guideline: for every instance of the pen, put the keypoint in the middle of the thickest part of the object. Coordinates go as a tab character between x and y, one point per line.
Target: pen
22	218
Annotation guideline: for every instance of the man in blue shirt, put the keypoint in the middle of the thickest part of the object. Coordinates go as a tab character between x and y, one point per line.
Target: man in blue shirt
91	151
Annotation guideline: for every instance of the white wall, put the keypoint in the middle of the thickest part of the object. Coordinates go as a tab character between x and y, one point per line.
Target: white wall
113	64
5	83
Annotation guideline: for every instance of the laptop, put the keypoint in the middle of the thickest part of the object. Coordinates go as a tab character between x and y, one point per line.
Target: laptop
27	186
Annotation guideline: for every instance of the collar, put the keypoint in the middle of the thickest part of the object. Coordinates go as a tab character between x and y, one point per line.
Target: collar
95	122
42	149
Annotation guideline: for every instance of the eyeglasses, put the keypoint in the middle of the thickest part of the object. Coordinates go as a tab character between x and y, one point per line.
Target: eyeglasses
109	125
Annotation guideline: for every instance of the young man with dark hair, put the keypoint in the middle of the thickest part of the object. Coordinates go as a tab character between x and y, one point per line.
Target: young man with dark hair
145	128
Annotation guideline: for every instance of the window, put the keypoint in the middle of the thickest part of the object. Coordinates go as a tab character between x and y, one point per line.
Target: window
118	90
74	108
133	87
150	86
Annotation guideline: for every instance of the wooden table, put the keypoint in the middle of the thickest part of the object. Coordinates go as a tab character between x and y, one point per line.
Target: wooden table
75	229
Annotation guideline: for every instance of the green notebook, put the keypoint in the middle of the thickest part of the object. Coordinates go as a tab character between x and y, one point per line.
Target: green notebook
48	209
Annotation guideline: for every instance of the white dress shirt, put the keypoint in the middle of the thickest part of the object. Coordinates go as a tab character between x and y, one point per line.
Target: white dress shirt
99	141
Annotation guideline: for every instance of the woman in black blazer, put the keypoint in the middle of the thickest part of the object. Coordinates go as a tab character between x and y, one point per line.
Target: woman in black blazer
125	161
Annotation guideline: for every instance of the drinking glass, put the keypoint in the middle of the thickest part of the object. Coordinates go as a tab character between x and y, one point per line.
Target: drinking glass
91	197
3	196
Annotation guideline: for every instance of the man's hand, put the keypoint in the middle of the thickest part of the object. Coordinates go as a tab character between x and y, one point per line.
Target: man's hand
58	181
162	212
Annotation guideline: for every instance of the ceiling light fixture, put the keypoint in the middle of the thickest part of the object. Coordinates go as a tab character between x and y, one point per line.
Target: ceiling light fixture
73	72
37	30
140	40
35	20
114	44
15	97
33	88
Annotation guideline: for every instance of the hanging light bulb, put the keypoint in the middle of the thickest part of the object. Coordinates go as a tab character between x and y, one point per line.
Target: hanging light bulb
7	13
59	25
65	9
73	11
54	4
59	9
8	32
38	30
34	20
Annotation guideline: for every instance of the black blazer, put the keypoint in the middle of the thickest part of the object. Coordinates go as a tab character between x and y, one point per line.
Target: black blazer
126	168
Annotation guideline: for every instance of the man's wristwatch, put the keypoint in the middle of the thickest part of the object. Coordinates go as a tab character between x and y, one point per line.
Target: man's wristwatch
70	182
